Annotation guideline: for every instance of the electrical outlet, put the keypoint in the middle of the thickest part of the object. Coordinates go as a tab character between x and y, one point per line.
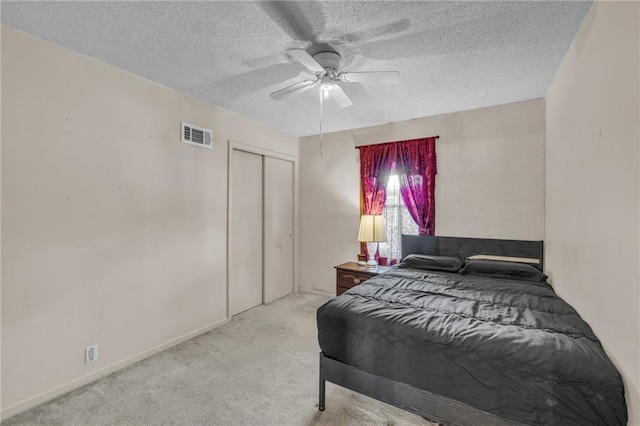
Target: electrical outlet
90	354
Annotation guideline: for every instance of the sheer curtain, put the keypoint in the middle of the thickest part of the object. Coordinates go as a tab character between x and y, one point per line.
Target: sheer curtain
398	221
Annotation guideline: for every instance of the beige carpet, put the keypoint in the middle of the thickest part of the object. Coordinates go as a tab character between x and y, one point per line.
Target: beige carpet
260	369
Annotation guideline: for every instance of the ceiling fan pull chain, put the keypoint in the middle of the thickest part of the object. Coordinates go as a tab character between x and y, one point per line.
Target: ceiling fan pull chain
321	113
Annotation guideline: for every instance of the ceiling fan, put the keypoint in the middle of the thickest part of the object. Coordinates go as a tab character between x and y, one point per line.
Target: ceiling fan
326	67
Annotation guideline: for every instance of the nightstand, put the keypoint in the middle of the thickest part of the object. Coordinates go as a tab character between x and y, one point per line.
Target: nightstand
350	274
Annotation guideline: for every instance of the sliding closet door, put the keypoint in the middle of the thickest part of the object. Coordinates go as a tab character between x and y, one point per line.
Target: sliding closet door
245	263
278	228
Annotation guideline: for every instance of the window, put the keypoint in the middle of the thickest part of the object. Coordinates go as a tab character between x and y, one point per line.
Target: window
398	221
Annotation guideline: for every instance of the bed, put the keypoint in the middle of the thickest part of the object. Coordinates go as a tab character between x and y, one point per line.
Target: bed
469	349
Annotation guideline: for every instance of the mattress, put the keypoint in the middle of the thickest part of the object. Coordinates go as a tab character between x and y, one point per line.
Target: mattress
510	348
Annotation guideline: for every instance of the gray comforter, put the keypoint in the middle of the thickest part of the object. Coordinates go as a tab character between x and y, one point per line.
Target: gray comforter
510	348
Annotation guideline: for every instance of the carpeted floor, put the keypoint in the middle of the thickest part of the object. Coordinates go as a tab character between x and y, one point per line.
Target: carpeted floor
259	369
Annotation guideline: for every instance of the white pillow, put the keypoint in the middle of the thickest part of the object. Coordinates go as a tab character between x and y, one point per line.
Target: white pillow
528	260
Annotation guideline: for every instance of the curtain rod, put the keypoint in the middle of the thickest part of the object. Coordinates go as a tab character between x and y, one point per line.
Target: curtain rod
360	146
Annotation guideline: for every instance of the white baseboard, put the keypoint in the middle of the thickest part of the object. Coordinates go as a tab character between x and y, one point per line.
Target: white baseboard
316	292
91	377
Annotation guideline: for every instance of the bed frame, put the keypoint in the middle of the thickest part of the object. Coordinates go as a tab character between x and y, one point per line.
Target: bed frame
431	406
465	247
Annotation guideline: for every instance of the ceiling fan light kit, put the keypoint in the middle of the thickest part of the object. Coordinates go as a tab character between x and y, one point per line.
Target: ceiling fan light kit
326	67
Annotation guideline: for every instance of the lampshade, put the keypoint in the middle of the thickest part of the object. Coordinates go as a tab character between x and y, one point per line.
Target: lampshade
372	229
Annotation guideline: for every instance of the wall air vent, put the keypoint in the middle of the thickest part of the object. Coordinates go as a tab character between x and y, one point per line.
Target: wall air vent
195	135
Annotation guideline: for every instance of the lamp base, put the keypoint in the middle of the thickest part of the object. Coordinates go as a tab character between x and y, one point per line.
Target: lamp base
372	248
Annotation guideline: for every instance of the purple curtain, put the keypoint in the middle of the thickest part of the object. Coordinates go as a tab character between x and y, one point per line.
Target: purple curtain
417	172
377	162
415	163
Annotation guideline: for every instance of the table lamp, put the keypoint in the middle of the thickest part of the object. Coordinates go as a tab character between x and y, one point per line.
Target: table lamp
372	231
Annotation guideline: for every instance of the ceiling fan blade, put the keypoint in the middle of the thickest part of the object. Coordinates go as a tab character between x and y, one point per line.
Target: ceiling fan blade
300	20
305	59
371	77
340	97
293	89
375	32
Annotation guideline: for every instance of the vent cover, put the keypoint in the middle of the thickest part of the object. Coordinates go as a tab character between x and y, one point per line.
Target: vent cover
195	135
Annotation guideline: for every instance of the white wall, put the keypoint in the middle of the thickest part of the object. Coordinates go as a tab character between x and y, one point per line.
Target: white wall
113	232
593	183
490	182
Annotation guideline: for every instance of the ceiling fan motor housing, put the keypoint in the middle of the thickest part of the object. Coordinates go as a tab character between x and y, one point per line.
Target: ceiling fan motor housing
330	61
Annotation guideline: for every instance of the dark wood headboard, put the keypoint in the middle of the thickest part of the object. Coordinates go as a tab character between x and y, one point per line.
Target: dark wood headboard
464	247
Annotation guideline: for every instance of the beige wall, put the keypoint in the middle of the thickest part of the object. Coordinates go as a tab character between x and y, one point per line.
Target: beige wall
113	232
0	232
593	182
490	182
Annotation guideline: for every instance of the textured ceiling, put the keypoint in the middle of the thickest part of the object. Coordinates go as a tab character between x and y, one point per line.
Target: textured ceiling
452	56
